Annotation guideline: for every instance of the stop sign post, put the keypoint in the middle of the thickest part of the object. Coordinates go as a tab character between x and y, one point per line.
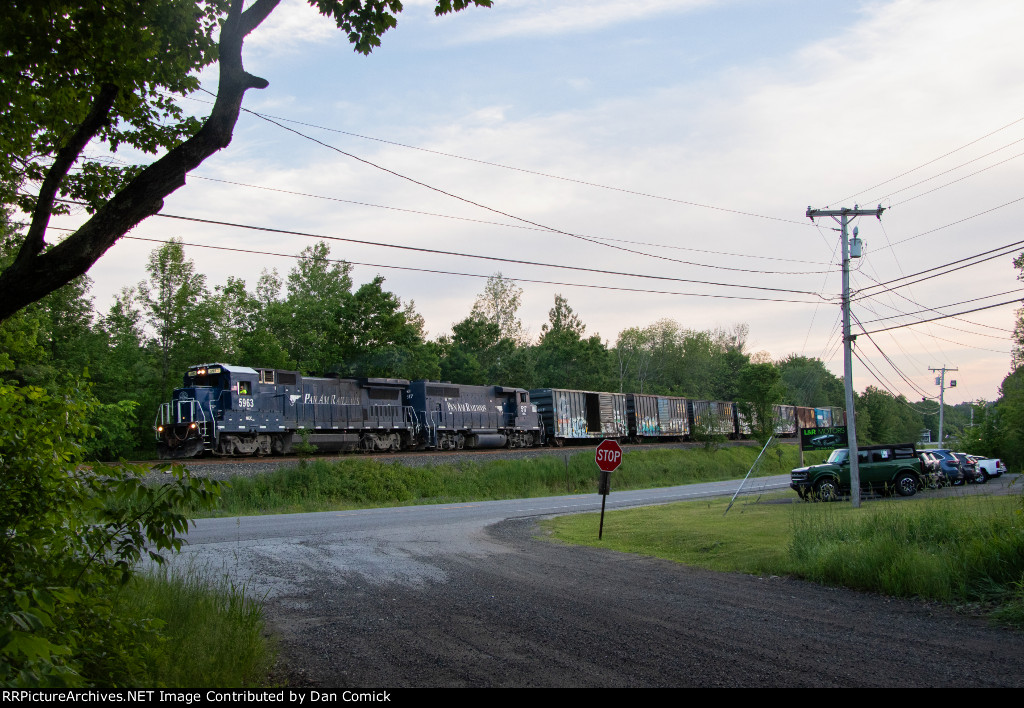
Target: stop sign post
608	458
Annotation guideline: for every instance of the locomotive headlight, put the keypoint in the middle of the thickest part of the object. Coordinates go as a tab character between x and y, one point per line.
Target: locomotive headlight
193	426
159	428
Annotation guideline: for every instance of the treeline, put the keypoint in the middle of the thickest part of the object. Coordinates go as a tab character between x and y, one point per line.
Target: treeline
315	320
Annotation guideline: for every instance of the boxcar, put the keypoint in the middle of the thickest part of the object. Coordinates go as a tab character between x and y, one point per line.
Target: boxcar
714	417
656	417
581	415
785	420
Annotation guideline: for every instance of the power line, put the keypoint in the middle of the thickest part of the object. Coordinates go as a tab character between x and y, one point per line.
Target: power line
952	304
498	259
469	275
542	229
943	317
470	201
954	223
272	119
1011	246
915	169
889	360
947	184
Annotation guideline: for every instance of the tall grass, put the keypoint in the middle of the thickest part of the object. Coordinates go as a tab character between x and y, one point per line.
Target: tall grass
356	482
212	633
954	550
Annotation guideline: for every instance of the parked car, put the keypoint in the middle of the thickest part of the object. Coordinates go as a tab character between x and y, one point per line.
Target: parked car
991	467
883	468
972	475
950	466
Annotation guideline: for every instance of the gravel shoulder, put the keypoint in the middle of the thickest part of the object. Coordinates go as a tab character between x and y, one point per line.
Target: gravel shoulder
517	610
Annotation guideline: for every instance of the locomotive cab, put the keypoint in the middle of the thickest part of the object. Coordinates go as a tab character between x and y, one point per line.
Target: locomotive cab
186	425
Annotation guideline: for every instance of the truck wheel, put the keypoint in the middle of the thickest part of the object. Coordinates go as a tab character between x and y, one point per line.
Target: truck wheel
906	485
827	490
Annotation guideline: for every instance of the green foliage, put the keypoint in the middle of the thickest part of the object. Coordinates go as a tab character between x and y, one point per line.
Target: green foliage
499	304
759	388
809	383
665	358
881	418
181	311
565	359
58	56
982	437
953	549
115	436
1011	418
69	538
305	448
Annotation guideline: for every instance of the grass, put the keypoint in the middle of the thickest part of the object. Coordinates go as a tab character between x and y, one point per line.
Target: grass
361	482
213	634
955	550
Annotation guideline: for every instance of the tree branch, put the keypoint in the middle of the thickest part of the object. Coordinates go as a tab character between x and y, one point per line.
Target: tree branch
36	273
66	156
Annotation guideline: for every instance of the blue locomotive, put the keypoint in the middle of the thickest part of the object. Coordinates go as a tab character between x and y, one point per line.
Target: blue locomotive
236	410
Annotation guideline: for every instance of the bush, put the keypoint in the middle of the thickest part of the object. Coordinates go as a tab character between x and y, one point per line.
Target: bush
70	538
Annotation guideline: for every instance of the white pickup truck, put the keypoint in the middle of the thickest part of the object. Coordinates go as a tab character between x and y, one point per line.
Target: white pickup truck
990	467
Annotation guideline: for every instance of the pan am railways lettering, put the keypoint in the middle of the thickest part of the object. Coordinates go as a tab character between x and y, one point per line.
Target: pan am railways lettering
333	400
466	407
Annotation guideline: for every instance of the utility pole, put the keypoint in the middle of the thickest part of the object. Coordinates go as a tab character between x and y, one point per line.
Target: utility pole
844	216
940	381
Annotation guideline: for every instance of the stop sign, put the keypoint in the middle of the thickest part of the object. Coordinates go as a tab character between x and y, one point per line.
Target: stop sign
609	455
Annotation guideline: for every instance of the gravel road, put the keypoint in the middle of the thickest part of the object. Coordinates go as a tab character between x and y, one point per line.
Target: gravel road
422	596
534	613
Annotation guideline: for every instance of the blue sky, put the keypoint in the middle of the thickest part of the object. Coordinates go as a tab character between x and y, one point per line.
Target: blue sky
732	116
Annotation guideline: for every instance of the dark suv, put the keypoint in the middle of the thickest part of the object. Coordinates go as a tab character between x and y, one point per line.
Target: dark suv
883	468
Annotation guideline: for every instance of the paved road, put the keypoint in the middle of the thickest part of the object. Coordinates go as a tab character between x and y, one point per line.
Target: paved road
464	595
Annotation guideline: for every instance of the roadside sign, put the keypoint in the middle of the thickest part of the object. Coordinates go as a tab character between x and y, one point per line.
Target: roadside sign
608	456
823	438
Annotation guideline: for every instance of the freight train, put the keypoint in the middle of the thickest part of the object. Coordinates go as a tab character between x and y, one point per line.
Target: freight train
235	410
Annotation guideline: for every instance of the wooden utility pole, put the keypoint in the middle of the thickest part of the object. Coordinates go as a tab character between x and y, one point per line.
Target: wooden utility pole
843	216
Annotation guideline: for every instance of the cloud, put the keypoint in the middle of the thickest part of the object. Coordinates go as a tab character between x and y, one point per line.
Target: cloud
294	24
531	18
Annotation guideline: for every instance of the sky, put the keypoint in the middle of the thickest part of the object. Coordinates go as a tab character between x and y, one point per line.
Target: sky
681	141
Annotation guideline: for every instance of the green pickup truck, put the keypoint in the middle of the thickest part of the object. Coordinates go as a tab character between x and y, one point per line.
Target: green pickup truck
883	468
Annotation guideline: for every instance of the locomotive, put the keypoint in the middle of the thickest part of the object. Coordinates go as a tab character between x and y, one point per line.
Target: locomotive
235	410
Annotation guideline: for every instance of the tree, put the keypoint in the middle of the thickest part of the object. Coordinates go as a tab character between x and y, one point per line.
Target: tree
499	304
881	418
564	358
184	316
381	337
759	388
82	79
1011	418
809	383
309	321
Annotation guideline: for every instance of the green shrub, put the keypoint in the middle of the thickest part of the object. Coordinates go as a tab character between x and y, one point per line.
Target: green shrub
70	537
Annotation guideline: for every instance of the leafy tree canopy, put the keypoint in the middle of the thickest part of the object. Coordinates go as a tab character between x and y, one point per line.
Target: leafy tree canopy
82	79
